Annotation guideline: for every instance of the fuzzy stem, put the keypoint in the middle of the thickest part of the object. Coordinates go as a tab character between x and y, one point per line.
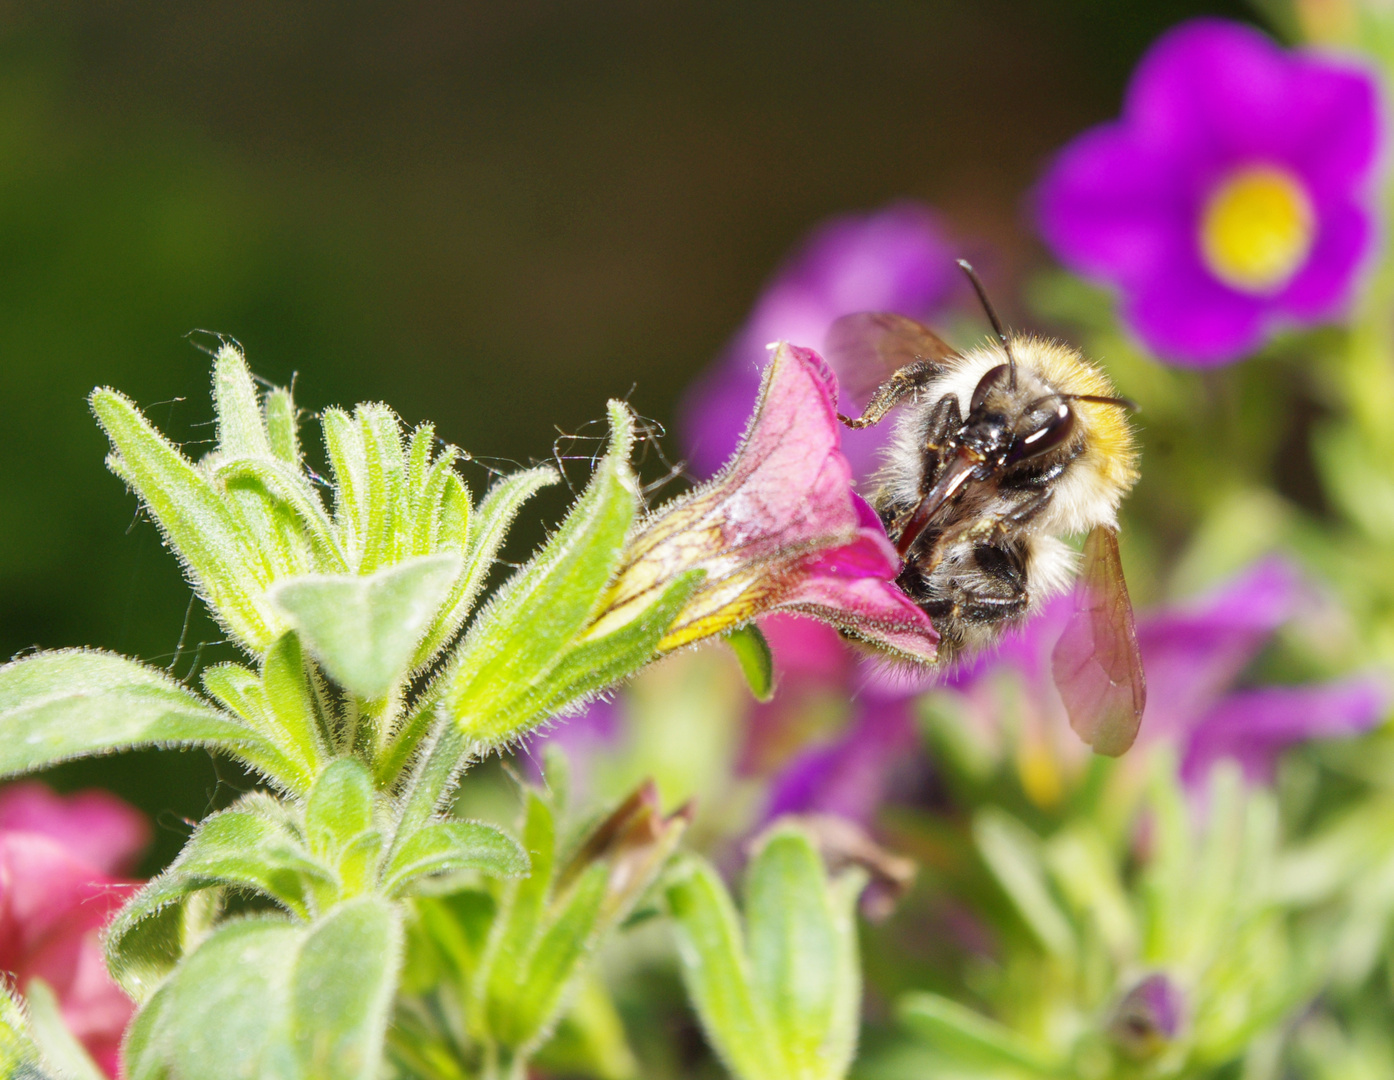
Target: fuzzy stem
443	757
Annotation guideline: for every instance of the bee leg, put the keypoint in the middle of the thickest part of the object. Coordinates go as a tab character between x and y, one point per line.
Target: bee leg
1024	513
944	422
907	382
995	590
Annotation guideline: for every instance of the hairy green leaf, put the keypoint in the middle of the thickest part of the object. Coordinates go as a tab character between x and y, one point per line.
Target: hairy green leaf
365	629
218	553
264	997
343	442
57	1044
282	425
717	974
156	927
342	988
385	474
554	961
803	955
483	533
340	806
455	845
19	1057
521	637
73	703
248	847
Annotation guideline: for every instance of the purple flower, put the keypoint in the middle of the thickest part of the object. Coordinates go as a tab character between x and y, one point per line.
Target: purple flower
1234	196
894	259
849	776
1193	654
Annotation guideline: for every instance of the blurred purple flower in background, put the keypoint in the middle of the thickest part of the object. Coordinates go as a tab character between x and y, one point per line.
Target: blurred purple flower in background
849	776
1234	196
894	259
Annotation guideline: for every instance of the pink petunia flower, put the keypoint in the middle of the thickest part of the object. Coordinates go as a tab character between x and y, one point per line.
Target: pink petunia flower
61	864
777	529
1233	197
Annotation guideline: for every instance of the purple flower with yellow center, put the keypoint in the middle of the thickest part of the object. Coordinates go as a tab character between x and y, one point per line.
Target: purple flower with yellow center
894	259
1233	197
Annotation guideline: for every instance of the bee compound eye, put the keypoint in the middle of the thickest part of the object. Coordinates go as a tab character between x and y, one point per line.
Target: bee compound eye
991	379
1054	429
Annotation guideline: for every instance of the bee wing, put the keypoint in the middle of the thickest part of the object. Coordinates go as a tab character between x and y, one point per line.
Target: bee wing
869	347
1097	663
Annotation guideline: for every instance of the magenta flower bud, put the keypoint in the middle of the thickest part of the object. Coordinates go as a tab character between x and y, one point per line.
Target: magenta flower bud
1149	1016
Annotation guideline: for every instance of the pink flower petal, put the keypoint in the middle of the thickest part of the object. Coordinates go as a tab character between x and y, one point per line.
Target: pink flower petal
779	528
93	826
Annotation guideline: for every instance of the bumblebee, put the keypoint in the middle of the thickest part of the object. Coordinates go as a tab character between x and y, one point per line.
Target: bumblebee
999	453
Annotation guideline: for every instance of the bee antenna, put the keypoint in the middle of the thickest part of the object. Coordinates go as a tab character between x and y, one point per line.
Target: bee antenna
967	268
1121	402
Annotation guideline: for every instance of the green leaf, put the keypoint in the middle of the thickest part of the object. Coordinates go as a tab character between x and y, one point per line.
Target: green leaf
717	974
554	961
291	706
1012	852
593	665
521	909
279	545
364	630
286	483
589	1039
487	529
803	955
455	845
509	653
757	662
60	1049
223	1014
385	474
218	553
343	442
73	703
19	1056
340	806
156	927
248	847
263	997
963	1033
282	425
342	988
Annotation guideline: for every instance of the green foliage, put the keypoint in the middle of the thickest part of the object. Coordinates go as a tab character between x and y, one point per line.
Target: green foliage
366	630
782	1000
757	662
263	997
272	946
527	653
74	703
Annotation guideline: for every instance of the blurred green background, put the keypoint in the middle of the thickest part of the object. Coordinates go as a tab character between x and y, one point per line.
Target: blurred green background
493	216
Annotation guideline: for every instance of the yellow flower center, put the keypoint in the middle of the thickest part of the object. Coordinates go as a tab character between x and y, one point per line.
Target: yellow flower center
1257	229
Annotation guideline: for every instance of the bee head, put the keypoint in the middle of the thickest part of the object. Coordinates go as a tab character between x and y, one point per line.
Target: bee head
1013	418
